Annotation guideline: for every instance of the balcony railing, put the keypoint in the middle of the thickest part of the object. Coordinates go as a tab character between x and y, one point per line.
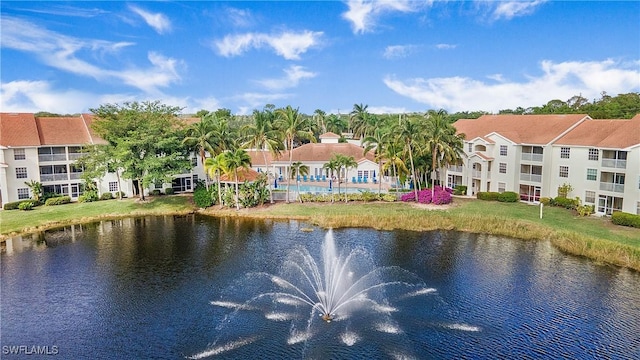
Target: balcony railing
614	163
76	156
476	174
54	177
75	175
531	177
52	157
532	157
605	186
455	168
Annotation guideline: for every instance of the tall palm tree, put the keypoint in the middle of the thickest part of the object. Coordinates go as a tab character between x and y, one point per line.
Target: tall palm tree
443	142
347	162
232	160
214	167
199	136
262	136
392	153
336	124
358	117
293	126
377	141
410	130
298	169
319	116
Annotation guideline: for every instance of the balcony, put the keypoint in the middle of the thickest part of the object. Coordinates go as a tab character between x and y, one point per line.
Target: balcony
75	175
532	157
613	187
52	157
54	177
457	169
531	177
76	156
614	163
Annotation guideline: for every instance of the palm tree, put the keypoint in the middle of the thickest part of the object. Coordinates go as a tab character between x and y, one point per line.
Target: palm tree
441	139
298	168
377	141
332	165
261	135
358	117
347	162
293	126
200	135
36	189
319	115
336	124
391	152
214	166
232	160
410	131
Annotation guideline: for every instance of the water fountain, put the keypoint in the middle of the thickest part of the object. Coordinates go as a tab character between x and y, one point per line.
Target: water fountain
344	287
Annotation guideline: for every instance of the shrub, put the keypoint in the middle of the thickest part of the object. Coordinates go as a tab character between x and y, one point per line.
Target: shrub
508	196
586	210
625	219
121	194
389	197
106	196
57	201
438	196
566	203
460	190
155	192
14	205
88	196
26	205
489	196
168	191
545	200
202	197
368	196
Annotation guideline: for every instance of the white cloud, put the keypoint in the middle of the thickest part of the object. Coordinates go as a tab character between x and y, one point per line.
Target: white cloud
557	81
510	9
35	96
399	51
446	46
293	75
64	53
158	21
239	17
387	110
289	45
363	14
257	100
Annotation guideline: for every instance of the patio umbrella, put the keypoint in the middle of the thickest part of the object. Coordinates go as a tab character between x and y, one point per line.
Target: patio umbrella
330	184
275	183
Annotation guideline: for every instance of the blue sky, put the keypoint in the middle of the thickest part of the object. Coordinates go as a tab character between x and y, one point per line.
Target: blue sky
393	55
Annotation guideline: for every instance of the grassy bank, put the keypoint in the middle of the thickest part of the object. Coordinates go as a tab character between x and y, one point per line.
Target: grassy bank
595	238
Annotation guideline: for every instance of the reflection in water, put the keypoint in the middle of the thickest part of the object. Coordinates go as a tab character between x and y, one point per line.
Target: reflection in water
143	288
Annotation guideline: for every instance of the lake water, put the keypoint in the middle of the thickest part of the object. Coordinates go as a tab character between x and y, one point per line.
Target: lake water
153	287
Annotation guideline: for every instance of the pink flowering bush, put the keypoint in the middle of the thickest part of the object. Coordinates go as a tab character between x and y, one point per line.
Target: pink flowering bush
427	196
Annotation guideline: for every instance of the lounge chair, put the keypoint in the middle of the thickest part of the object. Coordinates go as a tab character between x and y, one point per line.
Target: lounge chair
304	177
375	181
324	178
359	180
298	178
366	180
353	179
311	178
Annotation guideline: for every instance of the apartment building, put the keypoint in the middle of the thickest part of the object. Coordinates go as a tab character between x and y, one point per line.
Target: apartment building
536	154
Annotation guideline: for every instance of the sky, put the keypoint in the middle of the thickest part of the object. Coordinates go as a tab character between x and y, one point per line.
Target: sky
394	56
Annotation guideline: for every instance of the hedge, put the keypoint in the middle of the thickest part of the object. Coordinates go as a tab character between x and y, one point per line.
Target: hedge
508	196
106	196
57	201
14	205
489	196
460	190
625	219
156	192
26	205
168	191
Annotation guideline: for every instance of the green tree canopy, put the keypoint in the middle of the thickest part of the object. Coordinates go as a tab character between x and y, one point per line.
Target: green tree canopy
146	138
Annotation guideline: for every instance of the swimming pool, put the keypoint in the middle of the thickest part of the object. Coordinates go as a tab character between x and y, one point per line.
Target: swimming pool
322	189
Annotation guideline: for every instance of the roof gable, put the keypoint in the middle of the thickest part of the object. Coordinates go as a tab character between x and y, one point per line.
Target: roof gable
18	129
608	133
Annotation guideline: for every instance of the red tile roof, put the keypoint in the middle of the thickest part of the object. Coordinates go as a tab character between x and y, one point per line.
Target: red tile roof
329	135
243	175
62	130
616	134
324	152
521	129
18	130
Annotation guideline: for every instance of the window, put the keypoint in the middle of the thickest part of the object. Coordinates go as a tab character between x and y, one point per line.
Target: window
21	173
194	161
502	187
564	152
503	168
592	174
113	186
564	171
23	193
590	197
503	150
470	149
18	154
594	154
